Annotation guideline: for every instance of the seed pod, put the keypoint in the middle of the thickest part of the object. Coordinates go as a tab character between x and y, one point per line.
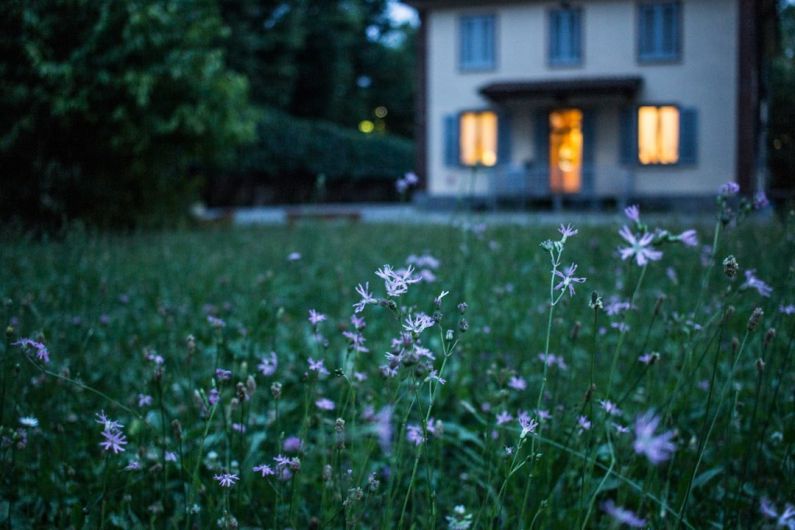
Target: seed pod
730	267
463	325
755	318
760	365
339	429
769	336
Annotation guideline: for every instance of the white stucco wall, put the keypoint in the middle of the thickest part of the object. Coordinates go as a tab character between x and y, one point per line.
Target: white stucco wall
705	79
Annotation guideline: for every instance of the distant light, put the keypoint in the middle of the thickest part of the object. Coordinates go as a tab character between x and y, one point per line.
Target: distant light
366	126
364	81
381	111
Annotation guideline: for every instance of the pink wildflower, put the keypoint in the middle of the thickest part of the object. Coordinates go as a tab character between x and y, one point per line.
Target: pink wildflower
639	247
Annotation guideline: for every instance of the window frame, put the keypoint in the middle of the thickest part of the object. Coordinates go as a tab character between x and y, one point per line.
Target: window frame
636	139
491	66
479	110
658	58
553	62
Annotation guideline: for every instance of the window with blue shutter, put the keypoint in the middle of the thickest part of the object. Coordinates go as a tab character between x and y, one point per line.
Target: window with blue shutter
565	37
666	135
451	140
477	42
659	31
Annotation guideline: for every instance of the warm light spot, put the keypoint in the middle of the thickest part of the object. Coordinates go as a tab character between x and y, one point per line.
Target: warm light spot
478	138
366	126
565	150
380	111
658	135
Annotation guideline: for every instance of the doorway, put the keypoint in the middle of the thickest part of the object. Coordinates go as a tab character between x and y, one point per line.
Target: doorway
565	150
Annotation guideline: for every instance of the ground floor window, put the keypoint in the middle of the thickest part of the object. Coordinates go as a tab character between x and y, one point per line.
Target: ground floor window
478	138
658	135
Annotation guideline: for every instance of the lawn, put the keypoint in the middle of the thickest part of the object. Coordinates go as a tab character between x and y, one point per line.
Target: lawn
174	380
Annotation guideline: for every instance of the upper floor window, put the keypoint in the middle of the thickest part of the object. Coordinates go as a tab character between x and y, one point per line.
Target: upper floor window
658	134
659	31
477	49
478	138
565	37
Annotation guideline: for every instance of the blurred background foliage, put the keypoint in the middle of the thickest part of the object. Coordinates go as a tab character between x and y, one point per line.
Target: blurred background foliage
122	113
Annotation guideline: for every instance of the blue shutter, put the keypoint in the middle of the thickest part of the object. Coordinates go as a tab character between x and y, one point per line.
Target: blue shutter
451	145
576	36
488	41
588	149
688	136
628	141
541	138
554	36
465	36
503	138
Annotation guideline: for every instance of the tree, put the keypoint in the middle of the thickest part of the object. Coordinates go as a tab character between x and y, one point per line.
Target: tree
109	107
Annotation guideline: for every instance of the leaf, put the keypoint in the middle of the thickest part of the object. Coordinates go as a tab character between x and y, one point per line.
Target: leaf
706	476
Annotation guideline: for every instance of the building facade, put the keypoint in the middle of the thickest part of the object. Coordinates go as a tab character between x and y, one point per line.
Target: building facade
589	99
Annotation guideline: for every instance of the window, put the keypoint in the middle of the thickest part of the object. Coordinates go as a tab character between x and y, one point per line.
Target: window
477	42
565	37
658	135
659	31
478	138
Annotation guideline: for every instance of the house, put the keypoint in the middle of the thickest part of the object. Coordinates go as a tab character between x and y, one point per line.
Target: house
591	99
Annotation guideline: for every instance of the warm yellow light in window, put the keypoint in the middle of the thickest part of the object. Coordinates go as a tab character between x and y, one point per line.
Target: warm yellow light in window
478	138
658	135
366	126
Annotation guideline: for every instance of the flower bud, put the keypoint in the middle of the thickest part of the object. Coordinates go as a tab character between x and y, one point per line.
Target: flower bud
755	318
276	390
462	307
176	428
769	336
730	267
463	325
760	365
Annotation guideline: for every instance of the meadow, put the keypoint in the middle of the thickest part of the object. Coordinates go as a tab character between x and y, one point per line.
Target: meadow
402	376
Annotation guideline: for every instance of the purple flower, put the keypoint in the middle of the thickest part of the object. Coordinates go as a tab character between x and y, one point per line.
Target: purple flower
411	178
213	397
639	247
133	465
787	309
113	441
171	456
264	469
622	515
317	366
324	404
238	427
294	256
267	366
424	261
609	407
414	434
760	200
567	279
366	297
223	375
648	358
656	448
729	189
550	359
401	186
434	376
357	341
396	282
752	282
567	231
543	414
517	383
358	322
292	444
418	323
633	213
226	480
42	353
584	423
785	518
144	400
216	322
438	300
528	425
689	238
316	318
504	417
107	423
383	428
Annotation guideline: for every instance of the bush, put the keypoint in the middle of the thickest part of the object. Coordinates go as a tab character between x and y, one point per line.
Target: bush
290	154
109	104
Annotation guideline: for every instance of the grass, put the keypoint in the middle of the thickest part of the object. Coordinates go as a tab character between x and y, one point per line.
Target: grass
106	306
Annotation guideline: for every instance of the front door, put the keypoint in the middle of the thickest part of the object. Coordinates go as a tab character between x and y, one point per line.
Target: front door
565	150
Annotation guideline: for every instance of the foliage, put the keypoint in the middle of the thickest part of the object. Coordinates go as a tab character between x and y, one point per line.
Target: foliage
127	323
330	60
781	136
108	106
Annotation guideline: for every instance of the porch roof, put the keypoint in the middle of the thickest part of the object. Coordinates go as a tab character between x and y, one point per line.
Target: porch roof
559	88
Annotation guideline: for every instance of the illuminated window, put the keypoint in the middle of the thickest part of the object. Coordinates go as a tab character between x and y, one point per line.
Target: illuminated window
478	138
658	135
